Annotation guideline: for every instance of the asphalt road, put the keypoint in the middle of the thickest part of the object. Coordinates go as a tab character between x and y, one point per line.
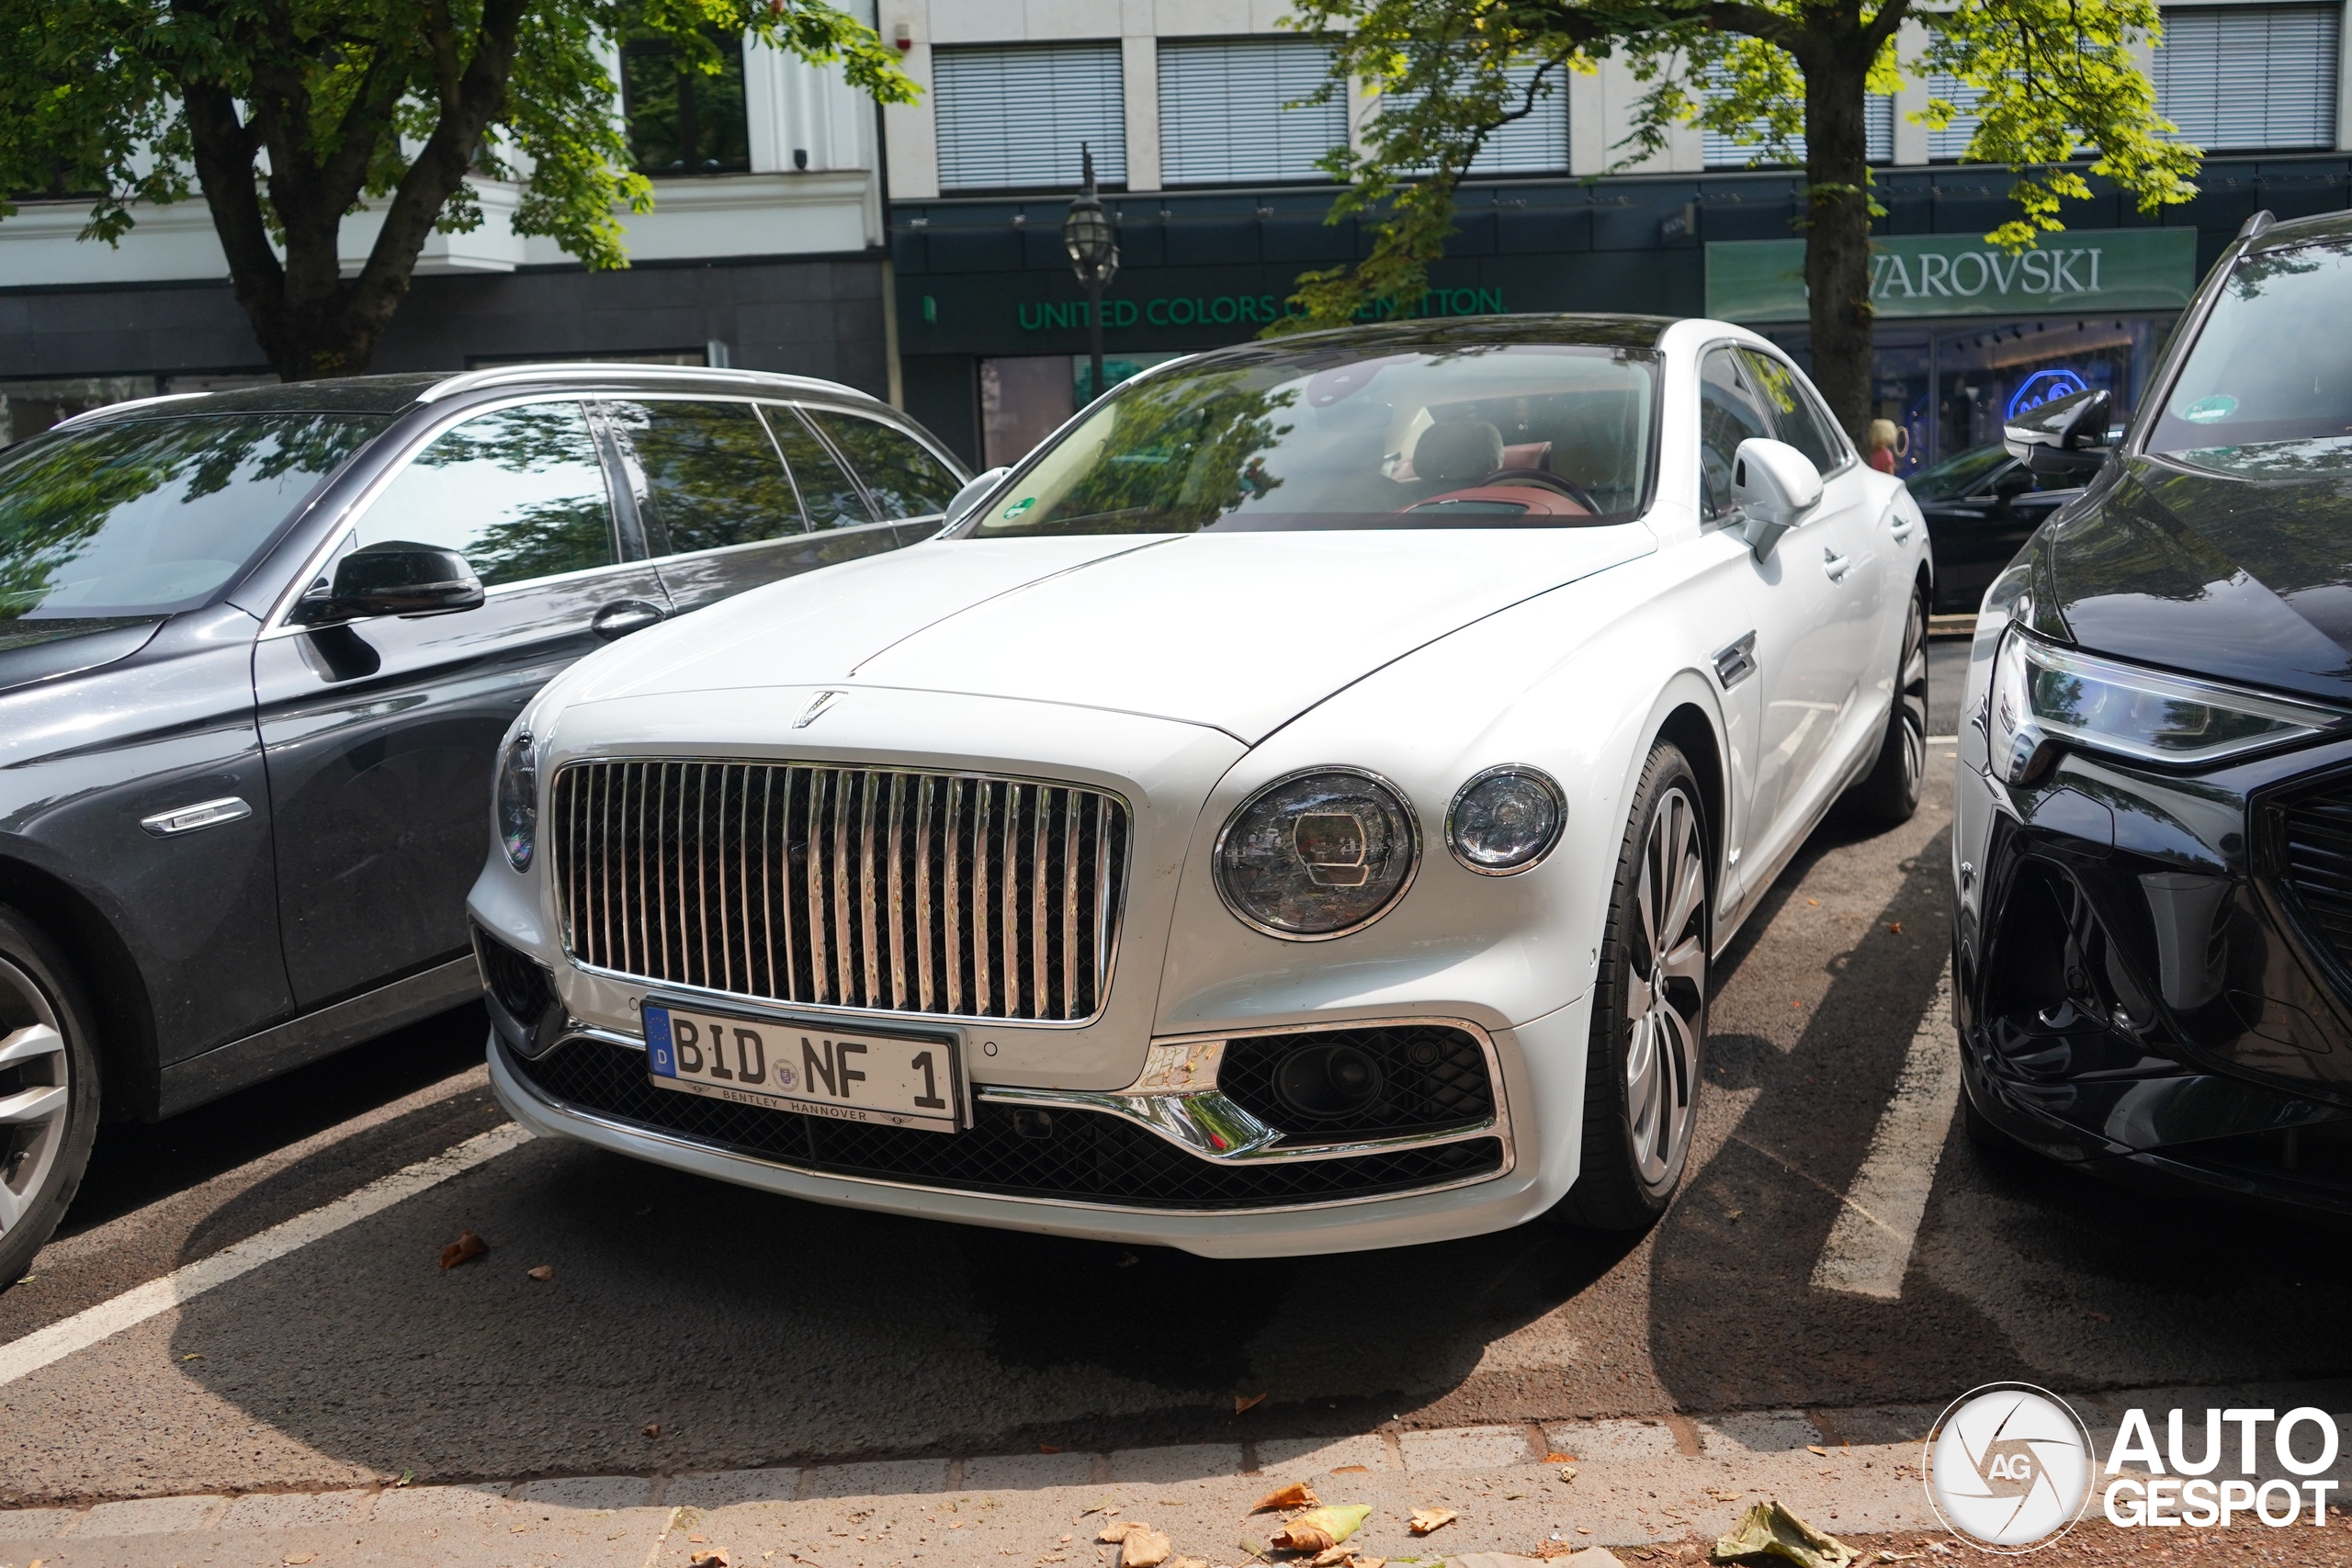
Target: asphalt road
754	1330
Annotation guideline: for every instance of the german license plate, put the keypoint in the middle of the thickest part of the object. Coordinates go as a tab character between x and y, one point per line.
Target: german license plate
851	1075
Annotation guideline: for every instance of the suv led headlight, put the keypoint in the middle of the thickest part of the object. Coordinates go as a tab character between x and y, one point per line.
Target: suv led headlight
2043	695
1504	820
1318	854
517	804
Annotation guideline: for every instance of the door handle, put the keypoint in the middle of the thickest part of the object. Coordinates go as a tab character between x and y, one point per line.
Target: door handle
624	616
1902	529
1833	564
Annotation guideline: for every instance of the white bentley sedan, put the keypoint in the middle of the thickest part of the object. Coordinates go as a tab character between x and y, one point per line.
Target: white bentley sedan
1296	810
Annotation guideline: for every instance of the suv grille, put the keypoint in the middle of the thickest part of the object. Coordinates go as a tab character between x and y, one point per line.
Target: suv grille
853	887
2314	848
1077	1156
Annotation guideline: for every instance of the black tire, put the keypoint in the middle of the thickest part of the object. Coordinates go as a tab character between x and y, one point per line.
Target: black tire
46	1045
1647	1055
1891	794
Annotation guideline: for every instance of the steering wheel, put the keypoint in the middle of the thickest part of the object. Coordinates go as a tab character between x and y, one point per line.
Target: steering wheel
1544	478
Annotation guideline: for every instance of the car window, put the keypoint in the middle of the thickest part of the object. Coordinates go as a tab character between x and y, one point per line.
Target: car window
827	493
517	491
149	516
2265	388
712	476
904	480
1962	473
1729	413
1796	418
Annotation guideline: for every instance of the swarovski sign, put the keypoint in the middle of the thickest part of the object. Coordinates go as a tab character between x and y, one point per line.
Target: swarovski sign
1956	275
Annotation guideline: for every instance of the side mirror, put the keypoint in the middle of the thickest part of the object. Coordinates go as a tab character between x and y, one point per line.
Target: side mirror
1773	485
972	494
2065	435
394	578
2011	485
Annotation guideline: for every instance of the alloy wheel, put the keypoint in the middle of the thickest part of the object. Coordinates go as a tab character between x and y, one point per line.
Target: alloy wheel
1912	699
1666	995
35	1095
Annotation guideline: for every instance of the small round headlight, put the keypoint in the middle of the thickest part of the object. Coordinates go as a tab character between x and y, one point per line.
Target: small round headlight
1504	820
1317	854
517	806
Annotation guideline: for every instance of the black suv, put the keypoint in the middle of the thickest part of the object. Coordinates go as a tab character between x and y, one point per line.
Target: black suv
257	652
2152	850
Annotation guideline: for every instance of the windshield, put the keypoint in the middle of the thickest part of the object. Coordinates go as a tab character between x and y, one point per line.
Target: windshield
151	516
1958	474
2266	389
1484	437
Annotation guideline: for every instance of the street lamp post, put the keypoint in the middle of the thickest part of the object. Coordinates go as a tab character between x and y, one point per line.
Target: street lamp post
1093	247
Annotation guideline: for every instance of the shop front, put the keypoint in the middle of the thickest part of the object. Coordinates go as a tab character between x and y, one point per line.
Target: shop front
993	330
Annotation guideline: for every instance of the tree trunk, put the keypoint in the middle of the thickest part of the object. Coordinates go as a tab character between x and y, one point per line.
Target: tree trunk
1837	236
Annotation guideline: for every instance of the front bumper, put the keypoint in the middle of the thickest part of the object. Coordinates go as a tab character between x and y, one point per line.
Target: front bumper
2135	994
1117	1181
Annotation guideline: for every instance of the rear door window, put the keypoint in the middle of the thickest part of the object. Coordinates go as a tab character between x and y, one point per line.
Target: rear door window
903	479
518	491
827	494
711	477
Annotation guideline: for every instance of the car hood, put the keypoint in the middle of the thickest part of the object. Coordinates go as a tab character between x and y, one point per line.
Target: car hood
2239	579
1240	632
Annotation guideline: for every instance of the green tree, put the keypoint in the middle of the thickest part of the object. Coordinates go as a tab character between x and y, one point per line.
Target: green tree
291	116
2056	77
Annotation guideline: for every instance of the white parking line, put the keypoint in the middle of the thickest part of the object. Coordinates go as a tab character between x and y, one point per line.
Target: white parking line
84	1328
1870	1244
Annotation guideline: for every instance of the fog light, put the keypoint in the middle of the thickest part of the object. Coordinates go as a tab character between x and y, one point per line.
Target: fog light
1327	1081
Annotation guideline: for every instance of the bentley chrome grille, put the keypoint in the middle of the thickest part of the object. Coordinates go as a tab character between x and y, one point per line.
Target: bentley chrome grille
851	888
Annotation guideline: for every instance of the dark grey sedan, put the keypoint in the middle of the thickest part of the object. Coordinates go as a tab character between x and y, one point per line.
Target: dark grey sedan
1982	505
257	652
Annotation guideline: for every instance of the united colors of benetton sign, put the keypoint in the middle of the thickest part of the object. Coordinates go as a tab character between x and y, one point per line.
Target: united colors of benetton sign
1959	275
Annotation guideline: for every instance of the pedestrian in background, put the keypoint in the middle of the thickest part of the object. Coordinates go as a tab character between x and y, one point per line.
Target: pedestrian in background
1889	440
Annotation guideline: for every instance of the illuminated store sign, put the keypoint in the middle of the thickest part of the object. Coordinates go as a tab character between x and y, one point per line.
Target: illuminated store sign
1958	274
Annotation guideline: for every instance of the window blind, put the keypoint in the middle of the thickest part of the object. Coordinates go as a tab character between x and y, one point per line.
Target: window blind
2240	77
1878	131
1945	146
1012	117
1221	115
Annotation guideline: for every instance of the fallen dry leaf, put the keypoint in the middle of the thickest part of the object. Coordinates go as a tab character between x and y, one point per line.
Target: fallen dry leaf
544	1272
1895	926
1725	1496
698	1540
1332	1558
296	1559
1817	1448
1559	1459
653	1430
1117	1530
467	1246
1145	1548
1320	1529
1048	1448
195	1356
715	1558
1297	1494
1424	1520
1242	1402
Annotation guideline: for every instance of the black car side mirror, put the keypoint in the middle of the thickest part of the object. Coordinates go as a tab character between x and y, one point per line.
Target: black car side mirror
394	578
2065	435
2011	485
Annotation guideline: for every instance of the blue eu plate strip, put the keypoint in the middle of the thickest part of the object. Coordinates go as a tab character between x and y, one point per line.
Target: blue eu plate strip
658	1050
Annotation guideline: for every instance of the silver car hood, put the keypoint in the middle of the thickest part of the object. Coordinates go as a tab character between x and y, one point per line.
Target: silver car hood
1240	632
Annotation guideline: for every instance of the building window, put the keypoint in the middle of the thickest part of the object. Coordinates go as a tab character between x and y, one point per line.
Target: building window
1723	151
1536	143
681	119
1946	146
2242	77
1221	115
1014	117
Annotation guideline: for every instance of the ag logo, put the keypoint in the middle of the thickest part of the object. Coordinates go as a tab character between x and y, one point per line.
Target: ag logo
2009	1467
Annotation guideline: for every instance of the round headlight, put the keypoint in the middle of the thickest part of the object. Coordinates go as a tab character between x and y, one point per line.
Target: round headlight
1317	854
517	806
1504	820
